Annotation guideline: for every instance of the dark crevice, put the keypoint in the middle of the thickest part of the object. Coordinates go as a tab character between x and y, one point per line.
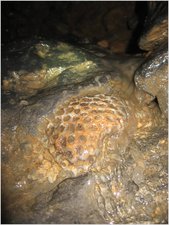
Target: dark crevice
141	11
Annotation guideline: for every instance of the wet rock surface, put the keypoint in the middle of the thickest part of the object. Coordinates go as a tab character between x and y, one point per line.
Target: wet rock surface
40	65
152	76
43	65
82	128
155	31
80	142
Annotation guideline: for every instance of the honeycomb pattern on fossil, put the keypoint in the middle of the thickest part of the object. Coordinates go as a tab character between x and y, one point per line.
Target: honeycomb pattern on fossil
86	128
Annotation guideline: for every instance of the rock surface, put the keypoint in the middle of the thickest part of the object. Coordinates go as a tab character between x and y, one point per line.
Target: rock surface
88	151
152	76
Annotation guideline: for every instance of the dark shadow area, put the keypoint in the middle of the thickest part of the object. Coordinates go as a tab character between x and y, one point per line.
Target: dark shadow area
102	23
5	217
141	11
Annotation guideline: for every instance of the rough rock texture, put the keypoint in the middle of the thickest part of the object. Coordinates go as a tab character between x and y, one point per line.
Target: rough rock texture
74	153
131	192
38	65
80	142
152	76
155	31
81	127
